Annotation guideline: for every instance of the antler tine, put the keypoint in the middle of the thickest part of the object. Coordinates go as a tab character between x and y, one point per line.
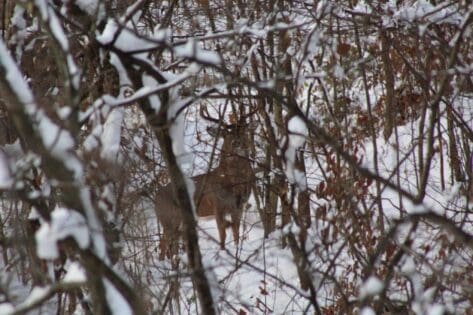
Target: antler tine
251	113
204	113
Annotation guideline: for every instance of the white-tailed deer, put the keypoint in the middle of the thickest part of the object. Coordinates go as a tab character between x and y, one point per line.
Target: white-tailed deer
221	192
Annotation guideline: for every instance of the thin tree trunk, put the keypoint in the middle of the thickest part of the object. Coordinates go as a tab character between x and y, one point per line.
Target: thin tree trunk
160	125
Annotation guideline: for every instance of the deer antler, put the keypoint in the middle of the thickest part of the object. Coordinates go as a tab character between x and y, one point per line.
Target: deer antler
204	113
251	113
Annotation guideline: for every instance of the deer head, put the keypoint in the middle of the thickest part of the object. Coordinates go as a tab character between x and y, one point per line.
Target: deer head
234	166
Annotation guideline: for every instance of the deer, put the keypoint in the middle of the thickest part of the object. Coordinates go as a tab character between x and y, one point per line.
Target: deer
221	192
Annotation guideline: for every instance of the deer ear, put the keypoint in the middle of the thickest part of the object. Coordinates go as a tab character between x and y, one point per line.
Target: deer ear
213	131
253	125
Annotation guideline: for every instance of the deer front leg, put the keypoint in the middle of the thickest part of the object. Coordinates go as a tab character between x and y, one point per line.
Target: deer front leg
236	217
221	225
165	246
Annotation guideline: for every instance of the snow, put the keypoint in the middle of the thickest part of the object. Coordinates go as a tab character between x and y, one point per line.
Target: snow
192	50
122	74
6	308
49	16
21	31
291	228
17	19
371	287
409	267
416	208
338	72
59	142
242	286
176	131
73	72
150	89
75	273
64	223
5	176
89	6
367	311
314	40
150	83
111	136
95	228
108	33
14	77
92	140
297	133
362	7
161	35
424	10
42	6
62	112
116	302
36	294
34	214
124	38
436	309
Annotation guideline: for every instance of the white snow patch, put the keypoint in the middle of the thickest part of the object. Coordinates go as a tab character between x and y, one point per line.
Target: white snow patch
291	228
111	135
118	304
64	111
73	71
424	10
436	309
89	6
17	19
98	240
49	16
416	208
362	7
409	266
367	311
6	308
92	140
192	50
126	40
150	83
314	40
298	132
6	180
75	273
38	293
55	139
64	223
34	214
59	142
14	77
122	74
161	34
371	287
338	72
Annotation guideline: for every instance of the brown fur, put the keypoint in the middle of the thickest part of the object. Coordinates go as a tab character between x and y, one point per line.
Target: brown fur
221	192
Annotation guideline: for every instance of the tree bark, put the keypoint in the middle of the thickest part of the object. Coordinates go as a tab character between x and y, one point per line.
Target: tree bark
160	125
